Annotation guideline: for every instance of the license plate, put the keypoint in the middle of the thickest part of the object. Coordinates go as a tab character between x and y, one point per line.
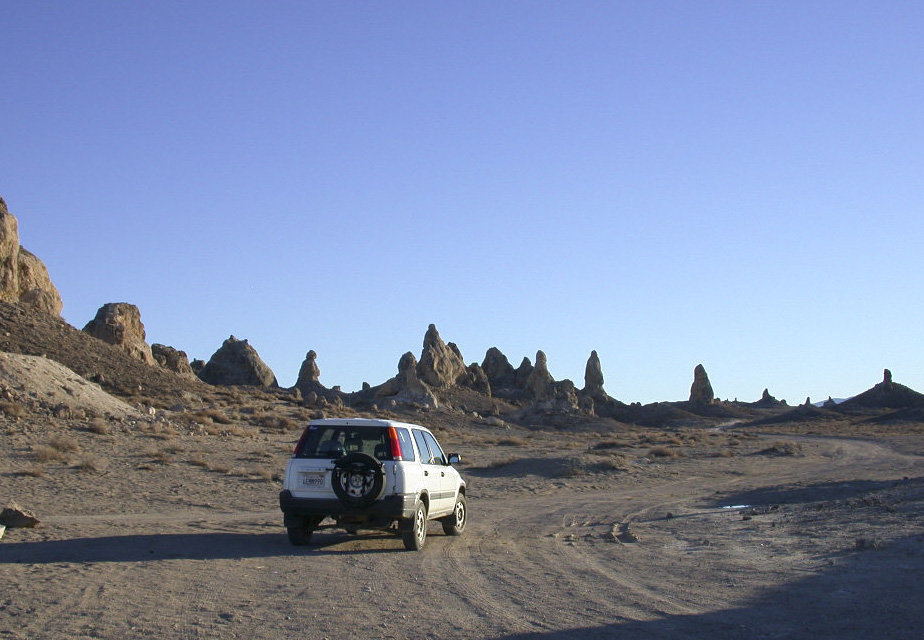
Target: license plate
312	479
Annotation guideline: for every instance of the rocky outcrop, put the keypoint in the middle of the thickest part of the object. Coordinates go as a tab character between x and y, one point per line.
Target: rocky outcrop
767	400
23	277
440	365
478	379
523	372
498	369
701	393
407	388
593	379
237	363
886	395
540	381
173	360
309	375
15	516
119	324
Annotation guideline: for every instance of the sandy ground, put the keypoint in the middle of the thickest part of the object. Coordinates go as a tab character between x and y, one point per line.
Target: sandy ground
171	529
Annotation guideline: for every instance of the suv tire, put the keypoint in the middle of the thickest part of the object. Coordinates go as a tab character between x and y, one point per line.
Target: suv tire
300	532
414	530
454	523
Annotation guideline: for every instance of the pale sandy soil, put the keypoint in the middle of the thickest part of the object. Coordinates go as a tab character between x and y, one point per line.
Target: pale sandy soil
173	531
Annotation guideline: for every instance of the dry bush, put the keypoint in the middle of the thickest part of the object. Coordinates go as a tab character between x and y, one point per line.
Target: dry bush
12	409
263	474
277	423
663	452
88	463
503	462
788	448
512	441
35	471
198	461
99	426
212	415
611	444
161	430
45	453
159	456
63	444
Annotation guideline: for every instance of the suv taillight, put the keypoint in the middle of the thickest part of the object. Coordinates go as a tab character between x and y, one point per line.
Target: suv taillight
300	442
394	444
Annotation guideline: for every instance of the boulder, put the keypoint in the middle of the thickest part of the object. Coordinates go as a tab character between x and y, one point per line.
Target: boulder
498	369
23	277
593	379
440	365
119	324
15	516
237	363
540	381
701	393
173	360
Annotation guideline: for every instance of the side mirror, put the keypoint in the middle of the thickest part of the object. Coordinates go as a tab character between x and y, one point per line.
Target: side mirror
455	458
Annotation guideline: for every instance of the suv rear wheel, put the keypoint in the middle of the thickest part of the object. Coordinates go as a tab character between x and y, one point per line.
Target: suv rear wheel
454	524
301	530
414	530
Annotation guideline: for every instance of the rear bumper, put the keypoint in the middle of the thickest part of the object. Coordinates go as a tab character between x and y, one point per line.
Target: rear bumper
395	507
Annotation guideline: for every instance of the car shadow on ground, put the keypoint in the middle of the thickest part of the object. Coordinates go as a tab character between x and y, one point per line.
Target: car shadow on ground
190	546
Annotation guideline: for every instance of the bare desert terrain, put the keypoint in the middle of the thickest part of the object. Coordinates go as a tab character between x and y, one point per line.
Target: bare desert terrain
167	525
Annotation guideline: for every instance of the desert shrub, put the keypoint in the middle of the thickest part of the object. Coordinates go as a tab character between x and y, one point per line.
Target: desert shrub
663	452
611	444
63	444
212	415
198	461
87	463
12	409
503	462
512	441
158	456
44	453
35	471
788	448
99	426
278	423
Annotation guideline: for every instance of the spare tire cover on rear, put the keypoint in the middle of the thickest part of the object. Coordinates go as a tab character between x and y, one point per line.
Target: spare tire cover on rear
358	480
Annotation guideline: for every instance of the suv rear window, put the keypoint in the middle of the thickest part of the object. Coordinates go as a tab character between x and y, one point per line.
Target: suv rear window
334	441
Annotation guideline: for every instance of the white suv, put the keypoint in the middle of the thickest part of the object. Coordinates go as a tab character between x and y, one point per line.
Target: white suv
371	474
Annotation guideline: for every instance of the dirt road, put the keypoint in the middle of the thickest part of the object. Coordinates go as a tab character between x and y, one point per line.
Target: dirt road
827	543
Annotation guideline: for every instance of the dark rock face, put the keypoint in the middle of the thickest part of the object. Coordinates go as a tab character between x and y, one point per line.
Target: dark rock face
886	395
440	365
540	381
23	277
237	363
119	324
701	393
593	379
498	369
767	400
173	360
523	372
478	379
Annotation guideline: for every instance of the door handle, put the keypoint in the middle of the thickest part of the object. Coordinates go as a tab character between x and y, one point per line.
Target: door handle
443	473
426	473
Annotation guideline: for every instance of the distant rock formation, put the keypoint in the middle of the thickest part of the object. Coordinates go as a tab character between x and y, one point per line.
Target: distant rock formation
406	387
119	324
523	372
886	395
701	393
593	379
539	383
309	374
23	277
237	363
478	379
768	401
440	365
498	369
173	360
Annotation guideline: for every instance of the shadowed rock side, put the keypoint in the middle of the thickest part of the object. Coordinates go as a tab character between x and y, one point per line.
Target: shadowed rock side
119	324
593	380
701	394
885	395
23	277
405	388
237	363
313	393
500	373
173	360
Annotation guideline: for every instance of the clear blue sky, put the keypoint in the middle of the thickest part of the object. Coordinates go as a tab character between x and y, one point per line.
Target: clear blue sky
738	184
